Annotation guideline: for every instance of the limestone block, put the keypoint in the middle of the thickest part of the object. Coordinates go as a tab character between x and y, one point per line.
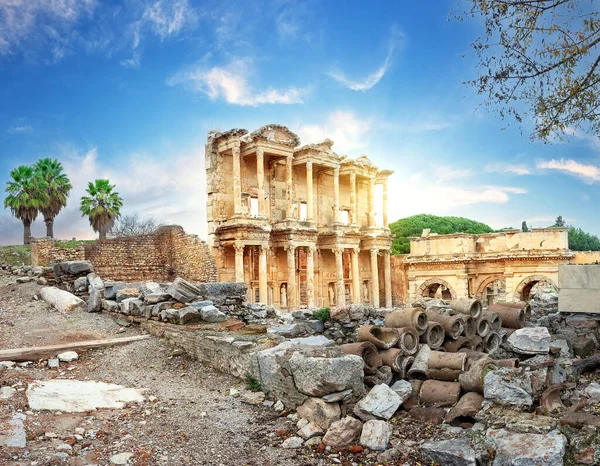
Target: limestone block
533	449
530	340
95	299
508	387
343	432
127	293
61	300
183	291
320	412
132	307
376	435
380	403
72	268
454	452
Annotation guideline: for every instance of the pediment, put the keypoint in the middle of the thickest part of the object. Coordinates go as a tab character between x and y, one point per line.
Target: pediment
278	134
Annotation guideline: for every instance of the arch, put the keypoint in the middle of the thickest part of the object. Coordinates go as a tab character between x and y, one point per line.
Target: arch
523	291
482	292
429	287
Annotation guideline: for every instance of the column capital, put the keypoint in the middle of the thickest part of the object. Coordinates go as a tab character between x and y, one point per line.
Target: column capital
311	249
374	251
264	248
355	250
309	165
290	248
260	151
239	247
235	150
338	250
336	171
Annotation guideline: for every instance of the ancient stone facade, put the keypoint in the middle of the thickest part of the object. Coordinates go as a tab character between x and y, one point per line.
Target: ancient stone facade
494	267
301	225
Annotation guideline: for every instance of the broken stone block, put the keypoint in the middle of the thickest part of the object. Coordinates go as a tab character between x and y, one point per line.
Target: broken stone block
212	314
310	430
253	398
95	300
13	432
292	443
530	340
53	363
403	389
80	285
149	288
127	293
338	396
320	412
592	391
6	393
132	307
508	387
343	432
376	435
201	303
155	298
68	356
72	268
582	346
110	305
454	452
121	458
186	315
380	403
183	291
61	300
533	449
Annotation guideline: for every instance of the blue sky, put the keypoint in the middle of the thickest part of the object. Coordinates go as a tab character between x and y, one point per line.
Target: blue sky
129	90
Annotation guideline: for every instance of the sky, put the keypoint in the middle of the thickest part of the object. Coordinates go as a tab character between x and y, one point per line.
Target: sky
129	90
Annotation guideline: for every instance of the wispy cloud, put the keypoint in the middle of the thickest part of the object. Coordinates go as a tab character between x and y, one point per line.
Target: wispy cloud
588	173
20	129
442	174
507	168
230	83
366	83
168	18
347	130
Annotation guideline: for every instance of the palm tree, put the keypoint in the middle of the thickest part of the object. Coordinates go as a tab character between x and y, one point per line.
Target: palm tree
24	196
57	187
102	206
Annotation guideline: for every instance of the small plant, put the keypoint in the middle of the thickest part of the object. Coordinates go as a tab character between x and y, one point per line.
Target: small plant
322	314
252	383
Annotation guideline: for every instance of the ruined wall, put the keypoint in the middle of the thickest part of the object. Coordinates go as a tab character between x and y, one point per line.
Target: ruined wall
399	279
585	257
45	252
579	288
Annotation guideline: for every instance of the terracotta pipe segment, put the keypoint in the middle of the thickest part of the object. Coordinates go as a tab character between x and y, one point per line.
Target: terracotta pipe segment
483	327
520	305
447	375
438	393
452	346
511	316
384	375
367	351
492	342
494	319
434	336
453	325
392	357
472	380
413	317
477	344
406	365
466	408
469	329
472	307
414	395
473	356
511	362
509	331
419	367
440	360
408	341
381	337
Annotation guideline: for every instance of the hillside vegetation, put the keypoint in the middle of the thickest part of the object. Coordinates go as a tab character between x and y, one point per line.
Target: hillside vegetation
414	226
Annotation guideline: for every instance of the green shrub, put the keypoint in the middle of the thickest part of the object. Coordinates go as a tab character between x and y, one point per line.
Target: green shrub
252	383
322	314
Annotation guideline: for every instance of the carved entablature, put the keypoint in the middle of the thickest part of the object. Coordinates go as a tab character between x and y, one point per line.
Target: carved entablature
296	237
235	132
250	234
383	175
319	153
361	166
274	133
377	242
347	241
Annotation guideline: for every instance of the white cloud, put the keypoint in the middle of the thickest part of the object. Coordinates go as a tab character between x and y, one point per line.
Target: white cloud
592	140
588	173
133	62
20	129
441	173
344	128
230	83
514	169
169	18
373	78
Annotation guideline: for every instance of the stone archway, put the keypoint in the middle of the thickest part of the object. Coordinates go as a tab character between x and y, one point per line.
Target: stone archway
492	290
434	286
523	291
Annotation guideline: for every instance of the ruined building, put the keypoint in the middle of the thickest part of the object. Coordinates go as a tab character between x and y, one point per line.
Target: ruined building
301	225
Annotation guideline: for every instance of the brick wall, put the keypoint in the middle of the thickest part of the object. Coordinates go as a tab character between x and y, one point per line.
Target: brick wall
161	256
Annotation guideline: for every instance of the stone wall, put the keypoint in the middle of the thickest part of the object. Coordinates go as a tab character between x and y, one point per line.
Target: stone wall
579	287
399	279
45	251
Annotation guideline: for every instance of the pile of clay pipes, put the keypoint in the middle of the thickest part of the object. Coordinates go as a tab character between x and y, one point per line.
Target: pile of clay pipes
441	355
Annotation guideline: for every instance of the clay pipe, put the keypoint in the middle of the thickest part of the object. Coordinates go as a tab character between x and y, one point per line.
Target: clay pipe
413	317
419	367
392	357
438	393
511	317
434	336
494	319
469	329
483	327
472	380
447	375
368	352
440	360
381	337
492	342
472	307
453	325
408	340
452	346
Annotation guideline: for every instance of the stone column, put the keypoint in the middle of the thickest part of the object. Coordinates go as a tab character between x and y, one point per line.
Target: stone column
237	181
356	298
387	278
310	276
289	191
336	195
372	202
374	278
239	262
353	198
291	281
339	276
260	180
386	221
309	192
262	274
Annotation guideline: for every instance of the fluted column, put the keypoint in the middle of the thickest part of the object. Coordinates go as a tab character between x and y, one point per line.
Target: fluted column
372	202
237	181
239	262
291	282
336	195
386	220
374	278
262	274
387	278
309	192
310	276
353	198
356	299
339	276
260	180
289	191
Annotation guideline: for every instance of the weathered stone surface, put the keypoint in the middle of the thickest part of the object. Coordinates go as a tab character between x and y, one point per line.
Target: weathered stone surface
217	292
320	412
292	443
211	314
110	305
149	288
310	430
68	356
403	389
508	387
454	452
343	432
288	330
592	391
186	315
61	300
121	458
13	432
530	340
582	346
132	307
72	268
380	403
6	393
199	304
533	449
80	284
376	435
253	398
127	293
319	376
183	291
155	298
337	396
95	300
